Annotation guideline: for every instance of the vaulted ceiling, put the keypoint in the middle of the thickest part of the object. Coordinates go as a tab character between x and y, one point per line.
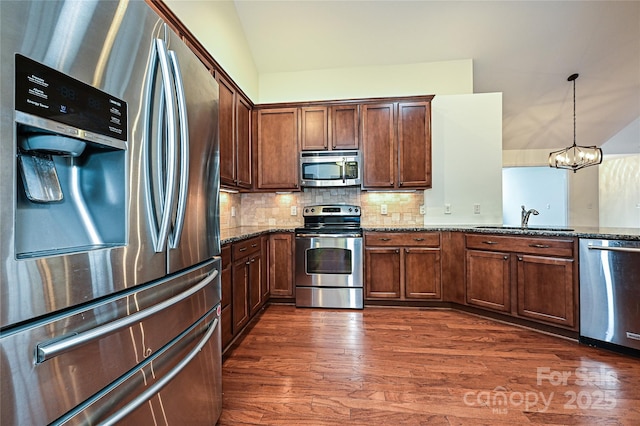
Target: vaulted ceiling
524	49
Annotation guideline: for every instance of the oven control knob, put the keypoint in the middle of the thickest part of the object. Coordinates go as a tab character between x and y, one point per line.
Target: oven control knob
356	210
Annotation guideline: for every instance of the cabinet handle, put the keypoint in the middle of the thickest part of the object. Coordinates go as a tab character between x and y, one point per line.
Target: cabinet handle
243	249
247	262
253	260
489	242
418	239
254	245
539	245
384	239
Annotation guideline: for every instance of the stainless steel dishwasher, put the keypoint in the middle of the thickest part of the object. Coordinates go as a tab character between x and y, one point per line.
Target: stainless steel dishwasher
610	294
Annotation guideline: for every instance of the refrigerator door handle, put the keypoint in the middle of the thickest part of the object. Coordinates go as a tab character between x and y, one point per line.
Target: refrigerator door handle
174	239
53	348
157	387
169	94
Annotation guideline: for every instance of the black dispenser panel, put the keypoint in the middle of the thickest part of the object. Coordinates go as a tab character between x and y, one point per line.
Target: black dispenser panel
48	93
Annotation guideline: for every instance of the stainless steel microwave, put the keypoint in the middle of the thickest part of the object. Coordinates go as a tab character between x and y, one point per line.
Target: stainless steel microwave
330	168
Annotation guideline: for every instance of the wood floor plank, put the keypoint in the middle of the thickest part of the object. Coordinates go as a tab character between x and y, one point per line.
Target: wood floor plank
417	367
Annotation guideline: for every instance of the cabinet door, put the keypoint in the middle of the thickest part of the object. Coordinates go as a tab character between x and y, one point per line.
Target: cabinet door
314	127
226	129
378	144
344	127
227	296
240	308
546	289
422	273
255	283
414	145
278	148
488	280
382	273
281	265
243	120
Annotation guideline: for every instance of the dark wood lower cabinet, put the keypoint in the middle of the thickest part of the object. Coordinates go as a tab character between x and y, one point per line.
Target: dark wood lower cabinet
402	266
546	289
489	280
281	264
534	278
422	273
382	273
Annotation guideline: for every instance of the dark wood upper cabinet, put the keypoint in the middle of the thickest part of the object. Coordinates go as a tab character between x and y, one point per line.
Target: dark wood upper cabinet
227	132
379	145
243	135
314	128
345	126
396	140
278	147
414	144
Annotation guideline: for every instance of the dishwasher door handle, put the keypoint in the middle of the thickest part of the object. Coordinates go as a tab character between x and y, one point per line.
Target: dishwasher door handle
622	249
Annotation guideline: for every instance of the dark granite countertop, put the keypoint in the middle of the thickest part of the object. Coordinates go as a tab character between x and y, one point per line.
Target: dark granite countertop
233	235
578	231
632	234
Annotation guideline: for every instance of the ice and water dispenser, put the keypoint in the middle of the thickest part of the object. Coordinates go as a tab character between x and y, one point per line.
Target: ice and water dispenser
71	174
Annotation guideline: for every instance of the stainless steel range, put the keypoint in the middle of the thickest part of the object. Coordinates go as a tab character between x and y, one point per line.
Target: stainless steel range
329	258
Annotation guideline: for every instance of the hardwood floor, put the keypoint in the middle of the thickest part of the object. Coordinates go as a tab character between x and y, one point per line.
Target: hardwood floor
417	367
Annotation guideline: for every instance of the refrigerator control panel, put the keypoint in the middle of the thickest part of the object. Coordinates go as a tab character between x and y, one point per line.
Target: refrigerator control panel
47	93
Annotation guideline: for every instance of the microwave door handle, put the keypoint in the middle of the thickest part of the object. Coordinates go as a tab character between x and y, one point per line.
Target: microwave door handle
183	187
344	169
167	85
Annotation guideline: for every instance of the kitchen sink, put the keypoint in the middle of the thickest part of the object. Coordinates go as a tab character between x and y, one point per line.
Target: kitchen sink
528	228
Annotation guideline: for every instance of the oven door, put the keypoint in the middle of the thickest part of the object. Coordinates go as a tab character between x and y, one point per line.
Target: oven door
329	260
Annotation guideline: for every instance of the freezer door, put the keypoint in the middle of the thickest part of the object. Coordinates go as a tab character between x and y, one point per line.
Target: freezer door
105	44
194	236
52	367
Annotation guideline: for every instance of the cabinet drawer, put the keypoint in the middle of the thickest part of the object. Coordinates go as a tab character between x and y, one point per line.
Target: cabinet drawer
395	239
244	248
525	245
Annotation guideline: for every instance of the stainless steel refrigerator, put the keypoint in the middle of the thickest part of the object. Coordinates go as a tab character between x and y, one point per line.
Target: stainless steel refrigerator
109	222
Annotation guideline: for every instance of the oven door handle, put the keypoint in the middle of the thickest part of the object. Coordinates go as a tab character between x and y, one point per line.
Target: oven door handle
344	235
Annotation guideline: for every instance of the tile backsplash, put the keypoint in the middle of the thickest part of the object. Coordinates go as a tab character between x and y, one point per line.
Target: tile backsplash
272	209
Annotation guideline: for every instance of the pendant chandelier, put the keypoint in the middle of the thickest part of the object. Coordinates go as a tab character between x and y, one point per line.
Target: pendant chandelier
575	157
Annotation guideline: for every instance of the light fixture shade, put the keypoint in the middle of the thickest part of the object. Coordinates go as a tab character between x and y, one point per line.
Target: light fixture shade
575	157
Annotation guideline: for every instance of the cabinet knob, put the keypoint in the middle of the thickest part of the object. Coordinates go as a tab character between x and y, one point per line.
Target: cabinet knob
406	250
247	262
520	258
506	257
391	183
397	250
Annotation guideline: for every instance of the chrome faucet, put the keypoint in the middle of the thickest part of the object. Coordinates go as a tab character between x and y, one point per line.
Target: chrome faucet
524	216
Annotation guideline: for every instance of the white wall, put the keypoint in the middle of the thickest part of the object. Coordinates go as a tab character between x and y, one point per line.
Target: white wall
467	159
620	179
450	77
216	25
